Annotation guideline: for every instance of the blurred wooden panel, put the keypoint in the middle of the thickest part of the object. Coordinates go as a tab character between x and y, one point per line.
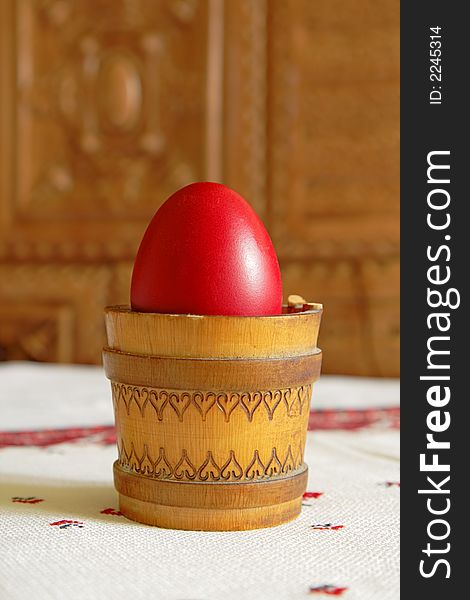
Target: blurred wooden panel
333	171
108	106
108	115
57	306
245	97
42	332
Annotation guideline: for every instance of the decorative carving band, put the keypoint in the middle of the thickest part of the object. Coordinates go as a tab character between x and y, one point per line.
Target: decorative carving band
184	469
294	400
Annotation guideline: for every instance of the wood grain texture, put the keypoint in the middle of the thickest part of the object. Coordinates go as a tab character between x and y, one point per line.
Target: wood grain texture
202	519
107	107
333	171
55	305
237	420
193	335
236	374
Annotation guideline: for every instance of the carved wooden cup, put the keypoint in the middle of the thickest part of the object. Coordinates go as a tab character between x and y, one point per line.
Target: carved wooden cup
211	415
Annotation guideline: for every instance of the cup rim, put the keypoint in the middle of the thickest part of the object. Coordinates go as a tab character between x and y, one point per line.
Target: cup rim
313	308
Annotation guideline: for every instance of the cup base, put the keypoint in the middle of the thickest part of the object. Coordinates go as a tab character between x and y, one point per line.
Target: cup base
208	519
210	506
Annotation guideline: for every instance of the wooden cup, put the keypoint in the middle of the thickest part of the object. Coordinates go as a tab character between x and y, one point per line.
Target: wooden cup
211	415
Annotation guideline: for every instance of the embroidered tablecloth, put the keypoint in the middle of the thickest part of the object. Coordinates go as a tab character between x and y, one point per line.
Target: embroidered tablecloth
62	536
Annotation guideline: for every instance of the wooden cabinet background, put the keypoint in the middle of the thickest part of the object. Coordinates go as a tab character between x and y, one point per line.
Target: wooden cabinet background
107	106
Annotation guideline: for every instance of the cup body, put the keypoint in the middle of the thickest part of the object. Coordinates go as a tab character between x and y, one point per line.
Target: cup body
211	415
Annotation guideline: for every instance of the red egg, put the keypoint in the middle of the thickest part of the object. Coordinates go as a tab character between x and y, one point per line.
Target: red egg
206	252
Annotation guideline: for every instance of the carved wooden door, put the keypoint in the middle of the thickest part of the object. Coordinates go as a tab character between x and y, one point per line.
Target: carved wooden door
107	106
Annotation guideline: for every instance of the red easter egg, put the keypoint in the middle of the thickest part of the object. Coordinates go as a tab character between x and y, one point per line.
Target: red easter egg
206	252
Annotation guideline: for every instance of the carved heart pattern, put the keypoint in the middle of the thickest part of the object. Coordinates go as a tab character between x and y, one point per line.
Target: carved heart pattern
274	466
304	393
271	401
231	469
294	400
184	468
288	464
203	402
255	469
122	454
146	466
227	404
180	403
209	469
158	399
140	397
134	460
124	393
290	397
250	402
162	467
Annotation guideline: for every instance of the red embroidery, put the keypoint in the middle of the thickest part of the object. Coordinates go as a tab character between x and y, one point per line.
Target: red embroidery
331	590
111	511
311	495
105	434
30	500
392	484
66	523
324	526
49	437
354	419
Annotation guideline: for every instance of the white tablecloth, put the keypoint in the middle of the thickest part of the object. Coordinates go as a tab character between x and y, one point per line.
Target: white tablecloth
63	537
